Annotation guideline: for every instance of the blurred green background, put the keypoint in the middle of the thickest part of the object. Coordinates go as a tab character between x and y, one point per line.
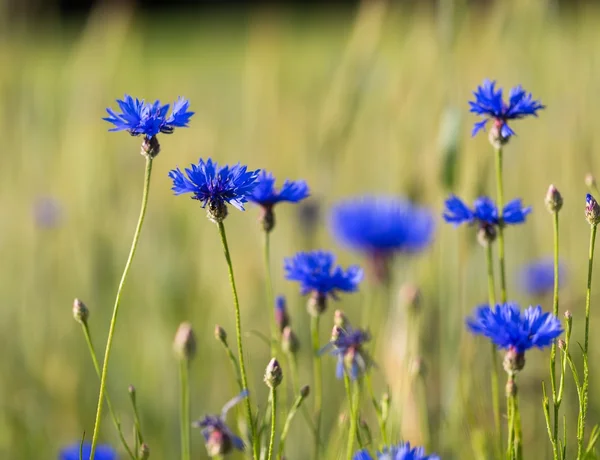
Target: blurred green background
364	99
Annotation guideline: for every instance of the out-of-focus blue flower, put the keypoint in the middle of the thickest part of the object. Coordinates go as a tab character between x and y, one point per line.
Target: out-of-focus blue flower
510	328
317	273
347	345
488	103
265	194
282	318
219	439
402	451
484	212
214	185
102	452
381	225
138	117
537	278
47	212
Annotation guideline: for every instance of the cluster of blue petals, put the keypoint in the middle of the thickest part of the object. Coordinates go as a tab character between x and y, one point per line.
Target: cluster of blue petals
484	212
139	117
488	103
317	273
102	452
537	278
402	451
265	194
209	183
351	358
381	224
510	328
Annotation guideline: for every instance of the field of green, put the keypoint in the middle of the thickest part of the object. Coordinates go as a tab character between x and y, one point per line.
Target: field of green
371	100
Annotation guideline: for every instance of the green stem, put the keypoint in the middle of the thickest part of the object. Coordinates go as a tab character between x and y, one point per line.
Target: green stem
113	321
588	297
137	426
555	398
517	428
353	406
286	426
511	424
377	408
314	329
269	291
238	333
494	377
273	422
423	411
185	409
500	205
88	339
293	365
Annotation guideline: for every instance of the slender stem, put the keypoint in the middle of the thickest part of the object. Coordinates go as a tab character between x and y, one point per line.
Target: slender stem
238	333
423	411
314	329
286	426
517	428
273	422
585	386
377	408
293	365
511	432
269	291
555	399
500	205
234	366
113	321
185	409
494	377
352	404
88	339
137	426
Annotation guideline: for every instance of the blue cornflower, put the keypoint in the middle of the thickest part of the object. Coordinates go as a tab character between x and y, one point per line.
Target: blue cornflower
347	344
484	212
537	278
215	186
319	276
102	452
139	117
402	451
282	319
488	103
219	439
510	328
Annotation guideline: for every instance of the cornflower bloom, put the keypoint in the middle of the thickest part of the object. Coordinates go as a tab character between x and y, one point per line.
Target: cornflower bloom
381	226
488	103
485	214
218	437
103	452
267	196
537	277
401	451
347	344
215	186
514	330
140	118
320	277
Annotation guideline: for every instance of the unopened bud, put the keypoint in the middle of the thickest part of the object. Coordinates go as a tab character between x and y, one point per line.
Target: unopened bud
305	391
514	361
184	344
592	210
410	297
144	452
289	341
80	312
150	147
562	344
273	374
216	211
282	318
340	319
590	180
220	334
568	315
554	200
486	235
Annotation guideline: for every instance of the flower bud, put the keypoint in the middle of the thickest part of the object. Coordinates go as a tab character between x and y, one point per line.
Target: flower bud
282	318
554	200
184	344
340	319
568	315
220	334
273	374
562	344
410	297
305	391
514	361
216	211
486	235
590	180
80	312
289	341
592	210
144	453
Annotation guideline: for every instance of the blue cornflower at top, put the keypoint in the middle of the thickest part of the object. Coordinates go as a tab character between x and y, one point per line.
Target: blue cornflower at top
102	452
215	186
488	103
537	278
219	439
139	117
319	276
484	212
347	345
510	328
265	193
402	451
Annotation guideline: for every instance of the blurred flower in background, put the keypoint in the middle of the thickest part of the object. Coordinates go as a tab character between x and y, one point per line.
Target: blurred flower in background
103	452
537	277
47	212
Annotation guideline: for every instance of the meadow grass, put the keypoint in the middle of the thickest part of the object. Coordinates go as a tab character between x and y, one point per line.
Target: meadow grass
353	102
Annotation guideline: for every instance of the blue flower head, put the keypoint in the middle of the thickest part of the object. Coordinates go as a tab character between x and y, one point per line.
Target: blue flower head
514	330
219	439
347	344
215	186
102	452
402	451
266	195
319	276
282	318
537	277
488	103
